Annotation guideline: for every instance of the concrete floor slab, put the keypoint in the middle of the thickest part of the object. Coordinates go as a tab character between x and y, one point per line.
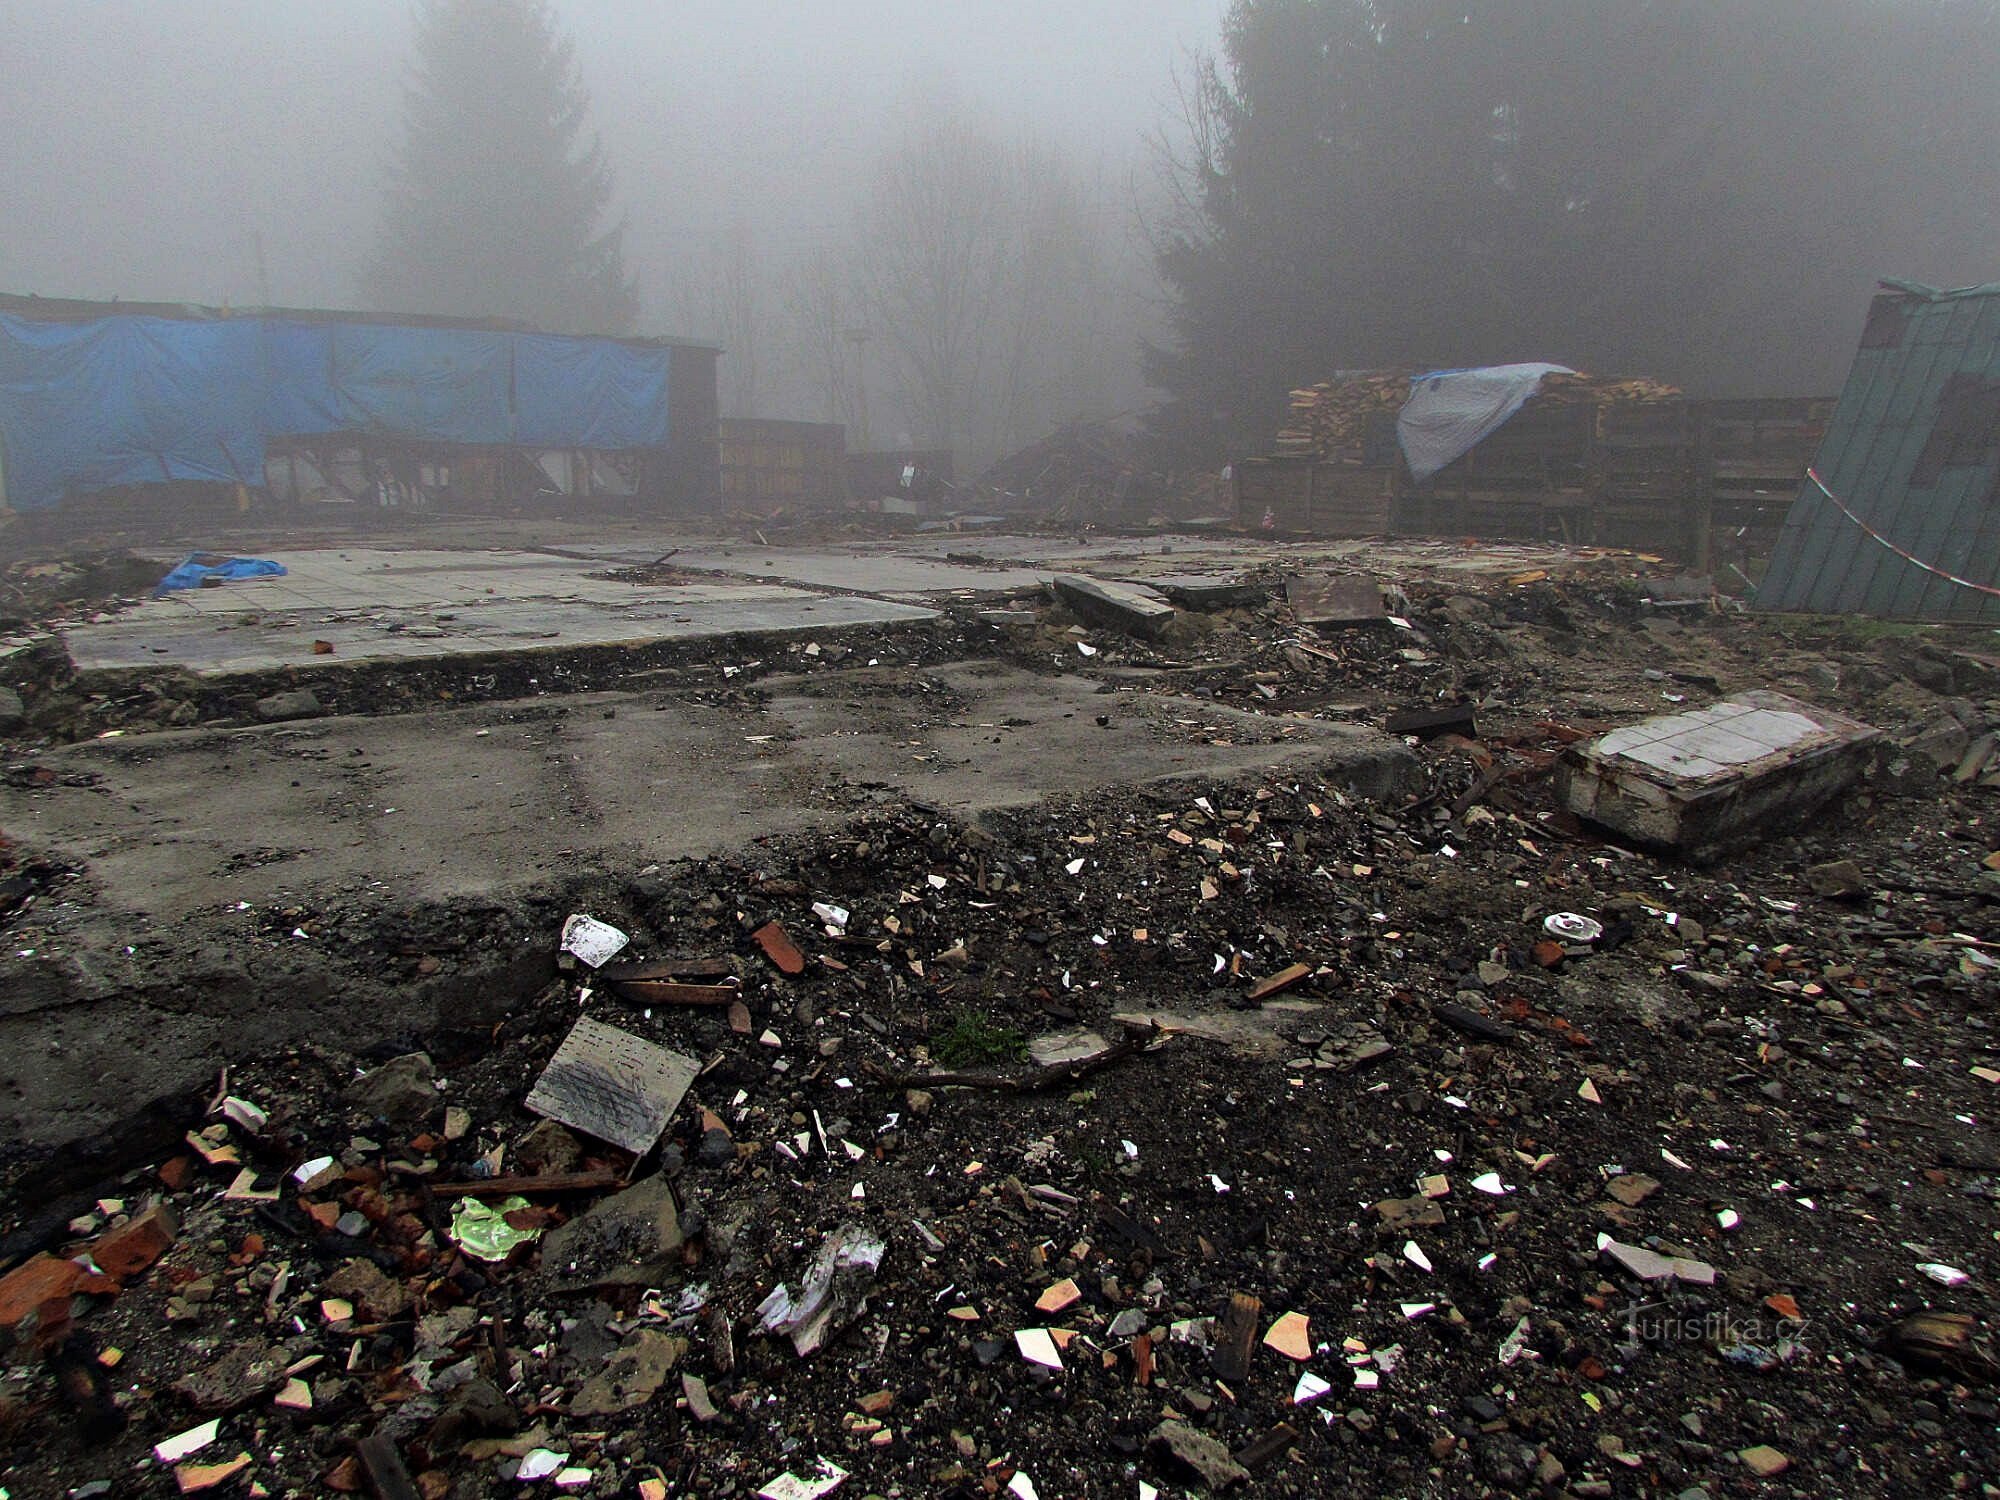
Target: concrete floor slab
374	604
288	850
871	569
416	602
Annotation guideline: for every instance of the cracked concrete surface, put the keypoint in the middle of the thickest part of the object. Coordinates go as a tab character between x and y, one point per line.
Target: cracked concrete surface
165	953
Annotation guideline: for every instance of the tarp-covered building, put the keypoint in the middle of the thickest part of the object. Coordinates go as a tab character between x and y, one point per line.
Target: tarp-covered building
1899	516
344	406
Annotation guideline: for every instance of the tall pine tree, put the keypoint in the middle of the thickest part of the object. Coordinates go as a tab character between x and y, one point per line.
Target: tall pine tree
1699	190
498	202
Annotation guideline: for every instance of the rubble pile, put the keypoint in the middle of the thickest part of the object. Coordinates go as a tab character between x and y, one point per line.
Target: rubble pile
1085	470
38	590
1197	1136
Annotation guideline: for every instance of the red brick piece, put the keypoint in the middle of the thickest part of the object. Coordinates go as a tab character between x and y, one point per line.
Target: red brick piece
127	1250
779	948
35	1295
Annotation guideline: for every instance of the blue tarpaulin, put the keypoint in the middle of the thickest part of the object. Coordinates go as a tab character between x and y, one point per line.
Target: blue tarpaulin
443	385
588	393
132	399
126	401
1451	412
196	568
301	395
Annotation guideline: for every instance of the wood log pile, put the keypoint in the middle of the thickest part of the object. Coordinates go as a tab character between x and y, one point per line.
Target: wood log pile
1332	419
1604	390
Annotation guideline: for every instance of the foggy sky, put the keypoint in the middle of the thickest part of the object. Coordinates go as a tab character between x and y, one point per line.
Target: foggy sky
148	144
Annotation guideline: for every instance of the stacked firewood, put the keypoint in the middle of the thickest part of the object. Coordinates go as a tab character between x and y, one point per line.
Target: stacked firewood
1604	390
1333	418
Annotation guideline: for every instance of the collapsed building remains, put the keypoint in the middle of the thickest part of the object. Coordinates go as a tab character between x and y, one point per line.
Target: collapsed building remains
1583	460
344	408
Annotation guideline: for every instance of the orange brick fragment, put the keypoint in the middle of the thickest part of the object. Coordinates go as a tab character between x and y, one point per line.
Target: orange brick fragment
127	1250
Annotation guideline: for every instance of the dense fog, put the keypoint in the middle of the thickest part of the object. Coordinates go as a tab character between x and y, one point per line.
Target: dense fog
967	225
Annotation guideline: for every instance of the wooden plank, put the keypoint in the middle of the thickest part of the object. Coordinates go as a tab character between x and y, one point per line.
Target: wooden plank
686	969
1236	1337
384	1465
672	992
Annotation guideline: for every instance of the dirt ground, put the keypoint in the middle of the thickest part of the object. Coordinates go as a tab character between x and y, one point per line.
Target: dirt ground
1350	1080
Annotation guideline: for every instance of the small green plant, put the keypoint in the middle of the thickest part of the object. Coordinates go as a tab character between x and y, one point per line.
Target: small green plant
974	1037
1863	628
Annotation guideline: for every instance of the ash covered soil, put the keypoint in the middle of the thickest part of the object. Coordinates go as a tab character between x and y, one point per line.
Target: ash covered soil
1703	1205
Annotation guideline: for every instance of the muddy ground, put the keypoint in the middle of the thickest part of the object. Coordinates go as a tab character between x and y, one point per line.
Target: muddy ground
1417	1144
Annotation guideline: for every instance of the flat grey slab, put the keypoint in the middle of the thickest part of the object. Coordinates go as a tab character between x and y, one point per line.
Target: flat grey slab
396	604
933	564
612	1085
1122	606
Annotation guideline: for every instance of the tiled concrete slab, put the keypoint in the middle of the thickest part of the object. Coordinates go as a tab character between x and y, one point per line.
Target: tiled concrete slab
376	604
1713	778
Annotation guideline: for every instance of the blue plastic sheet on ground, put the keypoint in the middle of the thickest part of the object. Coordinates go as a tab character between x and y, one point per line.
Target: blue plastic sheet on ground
198	566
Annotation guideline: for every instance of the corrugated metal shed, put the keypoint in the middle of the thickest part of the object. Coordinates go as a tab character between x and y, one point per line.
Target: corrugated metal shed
1908	523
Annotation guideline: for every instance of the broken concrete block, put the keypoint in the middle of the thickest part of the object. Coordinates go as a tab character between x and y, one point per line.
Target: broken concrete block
626	1240
701	1406
1704	782
127	1250
1764	1461
1837	880
1632	1188
1193	1455
401	1090
300	703
1205	591
1129	607
1335	599
631	1376
1060	1048
374	1295
13	713
245	1374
